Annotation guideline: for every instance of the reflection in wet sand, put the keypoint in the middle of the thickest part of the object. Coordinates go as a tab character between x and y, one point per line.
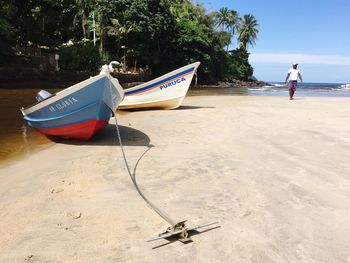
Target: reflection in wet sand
16	138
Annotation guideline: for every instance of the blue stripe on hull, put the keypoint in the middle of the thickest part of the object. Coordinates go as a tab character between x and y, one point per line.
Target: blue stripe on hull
159	82
82	105
59	116
98	111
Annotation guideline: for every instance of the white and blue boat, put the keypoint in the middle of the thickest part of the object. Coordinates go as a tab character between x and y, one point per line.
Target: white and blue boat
77	112
167	91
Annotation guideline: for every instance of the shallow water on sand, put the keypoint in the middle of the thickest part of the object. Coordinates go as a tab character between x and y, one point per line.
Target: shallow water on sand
16	138
214	91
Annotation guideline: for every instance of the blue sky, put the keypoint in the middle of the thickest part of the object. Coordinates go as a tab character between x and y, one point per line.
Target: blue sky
315	34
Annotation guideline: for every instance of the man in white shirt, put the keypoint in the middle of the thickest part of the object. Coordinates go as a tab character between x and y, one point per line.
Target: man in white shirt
293	75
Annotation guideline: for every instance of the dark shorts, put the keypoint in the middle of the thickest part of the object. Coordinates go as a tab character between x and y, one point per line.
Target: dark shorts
292	85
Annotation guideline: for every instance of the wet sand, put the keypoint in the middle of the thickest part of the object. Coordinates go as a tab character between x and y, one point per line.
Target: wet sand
275	174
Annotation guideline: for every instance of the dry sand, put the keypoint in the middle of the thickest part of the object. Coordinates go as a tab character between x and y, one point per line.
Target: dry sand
275	173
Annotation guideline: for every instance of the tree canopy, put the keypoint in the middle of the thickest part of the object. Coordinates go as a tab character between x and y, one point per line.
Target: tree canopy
163	34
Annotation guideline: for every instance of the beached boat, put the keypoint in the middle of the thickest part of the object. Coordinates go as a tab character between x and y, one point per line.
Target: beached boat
78	112
167	91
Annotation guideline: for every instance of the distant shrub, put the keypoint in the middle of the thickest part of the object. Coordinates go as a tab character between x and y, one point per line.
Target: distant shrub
238	65
84	57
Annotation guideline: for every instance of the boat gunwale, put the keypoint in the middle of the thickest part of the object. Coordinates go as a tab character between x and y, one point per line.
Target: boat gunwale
155	84
65	92
27	118
161	78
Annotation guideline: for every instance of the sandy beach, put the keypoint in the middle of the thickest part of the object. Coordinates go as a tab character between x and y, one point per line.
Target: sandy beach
274	173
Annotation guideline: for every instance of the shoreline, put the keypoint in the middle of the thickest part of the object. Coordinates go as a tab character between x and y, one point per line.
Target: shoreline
28	78
234	84
271	171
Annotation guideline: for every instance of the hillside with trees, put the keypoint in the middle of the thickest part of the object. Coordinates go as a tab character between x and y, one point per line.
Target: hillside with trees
159	34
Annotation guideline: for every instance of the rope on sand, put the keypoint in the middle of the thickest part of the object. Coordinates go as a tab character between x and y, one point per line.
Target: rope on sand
133	179
179	229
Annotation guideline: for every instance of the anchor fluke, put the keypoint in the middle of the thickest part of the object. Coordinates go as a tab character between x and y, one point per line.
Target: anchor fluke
180	231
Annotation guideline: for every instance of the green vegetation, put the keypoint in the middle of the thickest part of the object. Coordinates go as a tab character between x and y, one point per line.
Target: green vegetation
163	34
79	57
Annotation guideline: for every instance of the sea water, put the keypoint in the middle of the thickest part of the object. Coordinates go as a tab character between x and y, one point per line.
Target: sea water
303	90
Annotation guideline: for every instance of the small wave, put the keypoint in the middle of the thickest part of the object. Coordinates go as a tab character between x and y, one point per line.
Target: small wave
272	85
345	86
277	85
265	88
341	88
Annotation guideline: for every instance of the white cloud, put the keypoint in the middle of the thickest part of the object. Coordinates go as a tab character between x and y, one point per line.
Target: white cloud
299	58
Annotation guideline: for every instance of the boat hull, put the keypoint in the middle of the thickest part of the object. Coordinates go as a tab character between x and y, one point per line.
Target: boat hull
78	112
167	104
81	131
167	91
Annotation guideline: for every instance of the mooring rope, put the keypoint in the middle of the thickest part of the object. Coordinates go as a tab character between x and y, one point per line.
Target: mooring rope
161	213
133	179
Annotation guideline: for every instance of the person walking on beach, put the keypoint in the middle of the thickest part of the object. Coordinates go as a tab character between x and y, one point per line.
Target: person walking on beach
292	76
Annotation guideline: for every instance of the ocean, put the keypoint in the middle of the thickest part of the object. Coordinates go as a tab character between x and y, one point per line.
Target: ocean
17	139
304	90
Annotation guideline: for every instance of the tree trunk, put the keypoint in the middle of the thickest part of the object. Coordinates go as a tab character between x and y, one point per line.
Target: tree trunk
135	64
83	23
195	81
101	39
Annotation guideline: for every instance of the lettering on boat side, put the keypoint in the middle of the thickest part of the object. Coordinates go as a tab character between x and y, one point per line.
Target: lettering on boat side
63	104
167	85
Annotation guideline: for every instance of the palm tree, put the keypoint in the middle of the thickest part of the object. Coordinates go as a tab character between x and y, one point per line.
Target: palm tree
248	30
222	17
233	21
232	24
229	20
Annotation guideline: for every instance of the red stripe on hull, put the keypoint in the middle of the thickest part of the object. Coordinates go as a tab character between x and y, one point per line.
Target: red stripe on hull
81	131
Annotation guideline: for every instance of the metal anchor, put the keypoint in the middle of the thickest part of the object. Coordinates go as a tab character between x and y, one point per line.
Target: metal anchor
180	231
